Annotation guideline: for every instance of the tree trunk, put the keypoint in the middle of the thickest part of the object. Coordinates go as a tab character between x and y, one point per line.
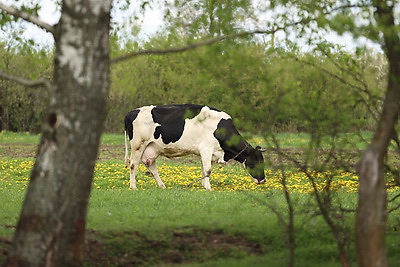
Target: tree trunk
371	216
50	231
371	212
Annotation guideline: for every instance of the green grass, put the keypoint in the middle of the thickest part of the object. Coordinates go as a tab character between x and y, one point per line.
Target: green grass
13	138
286	140
158	213
302	140
129	219
7	137
153	226
112	139
137	219
9	210
156	209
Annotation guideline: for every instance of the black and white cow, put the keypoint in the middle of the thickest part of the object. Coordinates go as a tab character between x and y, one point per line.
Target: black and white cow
178	130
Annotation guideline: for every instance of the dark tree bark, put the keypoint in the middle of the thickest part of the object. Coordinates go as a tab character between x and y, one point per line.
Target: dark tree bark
371	216
50	231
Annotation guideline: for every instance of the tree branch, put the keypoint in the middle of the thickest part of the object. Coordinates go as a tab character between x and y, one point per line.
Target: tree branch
27	17
358	89
26	82
210	41
221	38
189	46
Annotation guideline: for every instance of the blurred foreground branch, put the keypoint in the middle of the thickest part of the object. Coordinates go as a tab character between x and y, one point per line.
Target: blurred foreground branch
27	17
26	82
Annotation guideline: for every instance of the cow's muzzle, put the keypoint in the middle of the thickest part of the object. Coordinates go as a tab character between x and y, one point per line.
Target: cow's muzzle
260	182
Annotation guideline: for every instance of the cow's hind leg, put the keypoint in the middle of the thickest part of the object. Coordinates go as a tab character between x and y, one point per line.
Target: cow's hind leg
132	180
134	161
153	169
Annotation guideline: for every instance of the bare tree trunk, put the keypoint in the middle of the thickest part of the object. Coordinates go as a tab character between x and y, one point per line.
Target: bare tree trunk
50	231
371	212
371	216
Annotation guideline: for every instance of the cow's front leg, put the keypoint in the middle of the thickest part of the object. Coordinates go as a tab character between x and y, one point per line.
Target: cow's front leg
206	182
206	170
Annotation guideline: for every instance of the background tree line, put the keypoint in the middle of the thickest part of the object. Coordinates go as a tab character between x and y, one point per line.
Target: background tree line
292	90
23	108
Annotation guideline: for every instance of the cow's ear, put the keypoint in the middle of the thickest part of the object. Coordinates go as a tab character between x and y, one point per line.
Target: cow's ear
261	149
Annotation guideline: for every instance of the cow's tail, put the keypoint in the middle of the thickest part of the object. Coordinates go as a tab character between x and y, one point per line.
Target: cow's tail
126	151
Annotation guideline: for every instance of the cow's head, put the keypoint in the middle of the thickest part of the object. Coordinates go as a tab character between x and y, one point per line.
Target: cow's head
254	164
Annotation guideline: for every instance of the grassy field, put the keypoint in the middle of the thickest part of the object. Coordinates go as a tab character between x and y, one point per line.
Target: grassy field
233	225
